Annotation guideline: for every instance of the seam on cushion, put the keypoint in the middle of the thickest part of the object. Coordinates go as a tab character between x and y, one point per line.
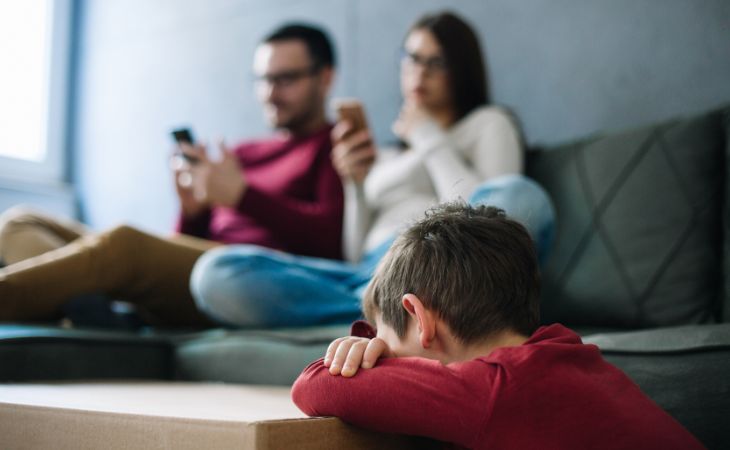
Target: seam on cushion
684	236
583	241
718	304
598	209
623	351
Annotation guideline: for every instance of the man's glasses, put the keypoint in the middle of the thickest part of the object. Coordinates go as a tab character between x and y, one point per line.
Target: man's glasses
286	78
436	64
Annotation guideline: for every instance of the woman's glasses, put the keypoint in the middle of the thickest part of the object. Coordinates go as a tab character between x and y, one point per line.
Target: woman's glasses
434	64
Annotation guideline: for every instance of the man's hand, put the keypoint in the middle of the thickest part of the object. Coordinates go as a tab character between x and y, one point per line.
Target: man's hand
216	182
184	186
353	154
223	180
347	354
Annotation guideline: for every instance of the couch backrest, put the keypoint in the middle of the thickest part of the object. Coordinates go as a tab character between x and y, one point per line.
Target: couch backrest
641	219
726	219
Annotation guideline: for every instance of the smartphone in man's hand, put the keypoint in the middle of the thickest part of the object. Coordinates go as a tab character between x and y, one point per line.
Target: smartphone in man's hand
185	136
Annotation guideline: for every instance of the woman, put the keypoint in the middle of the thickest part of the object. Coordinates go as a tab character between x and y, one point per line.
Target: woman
456	146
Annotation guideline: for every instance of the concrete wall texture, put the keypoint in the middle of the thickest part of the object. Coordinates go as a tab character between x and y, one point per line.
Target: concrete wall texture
566	67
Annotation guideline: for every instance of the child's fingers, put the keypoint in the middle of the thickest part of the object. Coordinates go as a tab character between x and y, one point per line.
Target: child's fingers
340	354
354	358
375	349
331	349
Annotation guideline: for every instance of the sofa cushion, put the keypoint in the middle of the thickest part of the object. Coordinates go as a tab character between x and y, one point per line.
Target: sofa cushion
683	369
33	353
275	356
639	225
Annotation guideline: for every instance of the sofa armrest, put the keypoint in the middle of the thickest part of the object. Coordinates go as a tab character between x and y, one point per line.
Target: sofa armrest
665	340
685	370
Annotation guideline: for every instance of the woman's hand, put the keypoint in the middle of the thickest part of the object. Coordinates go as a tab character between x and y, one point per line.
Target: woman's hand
346	355
353	153
410	117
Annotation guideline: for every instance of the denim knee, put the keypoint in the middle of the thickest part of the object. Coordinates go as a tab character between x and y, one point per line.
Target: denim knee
219	288
523	200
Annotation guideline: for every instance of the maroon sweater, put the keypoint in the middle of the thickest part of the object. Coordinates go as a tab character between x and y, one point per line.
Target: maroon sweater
293	202
552	392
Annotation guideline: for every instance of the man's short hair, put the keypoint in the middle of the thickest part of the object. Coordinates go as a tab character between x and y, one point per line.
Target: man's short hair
316	40
473	266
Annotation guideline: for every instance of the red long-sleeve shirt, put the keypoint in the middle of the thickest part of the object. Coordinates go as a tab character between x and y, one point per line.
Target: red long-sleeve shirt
552	392
294	199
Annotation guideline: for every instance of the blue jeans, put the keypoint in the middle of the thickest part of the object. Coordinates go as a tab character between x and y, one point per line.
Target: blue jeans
252	286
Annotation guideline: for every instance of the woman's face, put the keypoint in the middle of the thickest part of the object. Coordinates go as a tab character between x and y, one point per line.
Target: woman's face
424	74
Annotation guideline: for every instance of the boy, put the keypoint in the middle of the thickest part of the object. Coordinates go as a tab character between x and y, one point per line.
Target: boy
459	356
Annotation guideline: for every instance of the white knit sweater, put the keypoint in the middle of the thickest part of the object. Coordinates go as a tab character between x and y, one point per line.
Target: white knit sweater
440	165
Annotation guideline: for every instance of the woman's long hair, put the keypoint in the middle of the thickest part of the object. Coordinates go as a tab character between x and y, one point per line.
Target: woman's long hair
466	66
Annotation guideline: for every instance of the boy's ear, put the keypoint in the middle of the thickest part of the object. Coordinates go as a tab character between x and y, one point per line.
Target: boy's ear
425	319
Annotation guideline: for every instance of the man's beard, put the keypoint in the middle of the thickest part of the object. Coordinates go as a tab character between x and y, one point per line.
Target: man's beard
299	120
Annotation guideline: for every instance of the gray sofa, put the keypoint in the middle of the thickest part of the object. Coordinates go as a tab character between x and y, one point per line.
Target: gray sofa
640	267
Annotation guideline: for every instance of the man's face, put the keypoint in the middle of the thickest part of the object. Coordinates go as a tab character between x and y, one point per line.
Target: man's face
290	89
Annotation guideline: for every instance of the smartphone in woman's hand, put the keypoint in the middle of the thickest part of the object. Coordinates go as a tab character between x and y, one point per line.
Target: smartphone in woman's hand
352	111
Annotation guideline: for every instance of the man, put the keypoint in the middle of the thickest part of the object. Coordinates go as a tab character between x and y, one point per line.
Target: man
281	193
294	69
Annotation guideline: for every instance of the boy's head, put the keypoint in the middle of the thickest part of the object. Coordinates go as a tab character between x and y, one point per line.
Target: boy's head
472	268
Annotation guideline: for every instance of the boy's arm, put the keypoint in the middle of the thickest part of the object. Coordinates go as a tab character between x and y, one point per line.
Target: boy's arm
414	396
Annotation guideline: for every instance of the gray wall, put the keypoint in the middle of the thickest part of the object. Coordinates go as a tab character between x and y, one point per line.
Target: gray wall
56	199
566	67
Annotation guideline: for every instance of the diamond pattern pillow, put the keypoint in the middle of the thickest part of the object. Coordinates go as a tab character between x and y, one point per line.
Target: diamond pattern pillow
639	225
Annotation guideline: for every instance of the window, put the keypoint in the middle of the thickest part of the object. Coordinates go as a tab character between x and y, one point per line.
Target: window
35	53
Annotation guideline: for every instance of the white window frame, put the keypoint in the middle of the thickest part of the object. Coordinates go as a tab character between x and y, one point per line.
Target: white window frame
52	169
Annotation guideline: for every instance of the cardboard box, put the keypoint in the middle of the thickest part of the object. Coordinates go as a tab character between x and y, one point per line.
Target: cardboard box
171	416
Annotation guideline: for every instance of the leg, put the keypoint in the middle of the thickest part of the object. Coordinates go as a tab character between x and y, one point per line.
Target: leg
251	286
25	233
366	268
523	200
124	263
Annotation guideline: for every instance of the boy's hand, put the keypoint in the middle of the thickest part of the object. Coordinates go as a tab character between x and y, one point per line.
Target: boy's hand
347	354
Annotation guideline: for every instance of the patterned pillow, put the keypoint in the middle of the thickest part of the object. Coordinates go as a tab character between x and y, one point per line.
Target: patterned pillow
639	233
